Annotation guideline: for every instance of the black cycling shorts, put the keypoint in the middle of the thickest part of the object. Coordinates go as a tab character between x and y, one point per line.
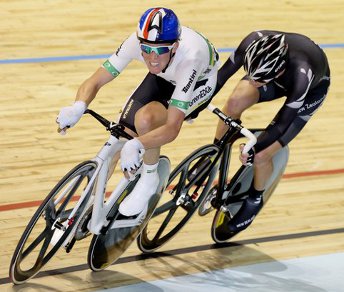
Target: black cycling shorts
153	88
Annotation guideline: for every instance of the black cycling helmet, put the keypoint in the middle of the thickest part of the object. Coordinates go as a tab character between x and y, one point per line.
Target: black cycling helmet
266	57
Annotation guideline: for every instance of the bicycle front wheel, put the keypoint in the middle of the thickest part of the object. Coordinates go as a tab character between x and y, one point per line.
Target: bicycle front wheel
51	225
188	184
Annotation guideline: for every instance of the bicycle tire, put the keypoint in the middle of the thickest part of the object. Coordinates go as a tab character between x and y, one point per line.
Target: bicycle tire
166	228
105	249
35	247
238	187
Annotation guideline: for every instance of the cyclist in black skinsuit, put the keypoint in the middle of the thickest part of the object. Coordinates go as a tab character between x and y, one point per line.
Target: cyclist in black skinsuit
277	64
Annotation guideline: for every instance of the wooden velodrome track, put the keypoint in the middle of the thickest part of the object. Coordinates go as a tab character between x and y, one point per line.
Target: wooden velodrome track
304	217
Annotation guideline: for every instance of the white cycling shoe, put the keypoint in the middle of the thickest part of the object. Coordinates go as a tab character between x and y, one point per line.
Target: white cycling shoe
145	188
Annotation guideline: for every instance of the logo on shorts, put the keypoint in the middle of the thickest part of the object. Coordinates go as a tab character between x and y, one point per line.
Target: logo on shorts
130	104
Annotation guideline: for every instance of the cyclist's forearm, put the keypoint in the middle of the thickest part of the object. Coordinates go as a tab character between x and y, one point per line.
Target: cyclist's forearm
87	92
90	87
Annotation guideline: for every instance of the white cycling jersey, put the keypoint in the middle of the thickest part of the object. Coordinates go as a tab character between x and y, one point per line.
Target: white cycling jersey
195	60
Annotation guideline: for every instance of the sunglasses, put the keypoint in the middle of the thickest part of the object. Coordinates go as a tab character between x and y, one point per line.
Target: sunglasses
157	50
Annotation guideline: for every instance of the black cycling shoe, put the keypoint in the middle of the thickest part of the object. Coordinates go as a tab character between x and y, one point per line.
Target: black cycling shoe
246	214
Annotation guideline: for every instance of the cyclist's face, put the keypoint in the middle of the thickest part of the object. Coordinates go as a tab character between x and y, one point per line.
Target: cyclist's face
158	56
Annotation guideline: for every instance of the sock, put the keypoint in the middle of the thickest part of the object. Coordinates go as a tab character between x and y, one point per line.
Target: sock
145	188
149	168
149	176
255	194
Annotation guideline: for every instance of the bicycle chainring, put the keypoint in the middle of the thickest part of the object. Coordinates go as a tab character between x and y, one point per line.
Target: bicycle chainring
207	205
82	230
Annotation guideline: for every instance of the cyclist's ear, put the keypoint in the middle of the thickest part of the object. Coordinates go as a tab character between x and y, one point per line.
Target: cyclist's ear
175	46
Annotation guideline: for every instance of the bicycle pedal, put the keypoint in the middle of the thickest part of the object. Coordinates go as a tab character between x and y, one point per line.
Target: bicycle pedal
56	237
123	217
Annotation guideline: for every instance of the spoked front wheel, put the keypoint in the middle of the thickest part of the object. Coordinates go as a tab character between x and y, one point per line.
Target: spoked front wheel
52	223
188	184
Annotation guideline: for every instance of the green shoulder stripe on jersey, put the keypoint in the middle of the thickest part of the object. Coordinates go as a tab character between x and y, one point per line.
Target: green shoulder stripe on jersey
180	104
112	70
211	49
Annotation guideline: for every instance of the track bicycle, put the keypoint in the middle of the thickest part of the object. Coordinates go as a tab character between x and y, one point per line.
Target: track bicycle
78	207
192	186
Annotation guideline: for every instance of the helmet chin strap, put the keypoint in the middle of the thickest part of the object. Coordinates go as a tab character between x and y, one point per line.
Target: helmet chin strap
169	61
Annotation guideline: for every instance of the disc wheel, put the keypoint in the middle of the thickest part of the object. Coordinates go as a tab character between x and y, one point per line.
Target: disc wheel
106	248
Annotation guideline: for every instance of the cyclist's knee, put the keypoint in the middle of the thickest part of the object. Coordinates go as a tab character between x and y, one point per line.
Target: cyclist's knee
261	158
234	107
265	156
150	117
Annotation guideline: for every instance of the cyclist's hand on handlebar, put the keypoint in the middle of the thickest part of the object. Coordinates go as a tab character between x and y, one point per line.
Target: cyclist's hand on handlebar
70	115
246	158
130	155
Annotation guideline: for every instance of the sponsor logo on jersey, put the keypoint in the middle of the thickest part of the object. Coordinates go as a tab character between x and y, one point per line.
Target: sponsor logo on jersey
308	106
204	92
191	79
119	49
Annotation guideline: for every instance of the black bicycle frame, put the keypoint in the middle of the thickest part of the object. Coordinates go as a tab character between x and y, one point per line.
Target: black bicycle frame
225	146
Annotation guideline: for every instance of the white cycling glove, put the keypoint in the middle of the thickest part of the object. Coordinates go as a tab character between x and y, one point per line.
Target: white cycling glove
70	115
130	155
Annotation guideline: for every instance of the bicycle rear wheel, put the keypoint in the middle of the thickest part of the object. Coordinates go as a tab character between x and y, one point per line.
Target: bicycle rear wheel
50	226
188	184
237	191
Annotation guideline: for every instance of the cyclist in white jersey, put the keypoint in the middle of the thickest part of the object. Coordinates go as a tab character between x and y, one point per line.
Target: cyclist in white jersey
182	78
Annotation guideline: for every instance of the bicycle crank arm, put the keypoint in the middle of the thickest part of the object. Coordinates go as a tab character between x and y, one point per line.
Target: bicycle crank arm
130	222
